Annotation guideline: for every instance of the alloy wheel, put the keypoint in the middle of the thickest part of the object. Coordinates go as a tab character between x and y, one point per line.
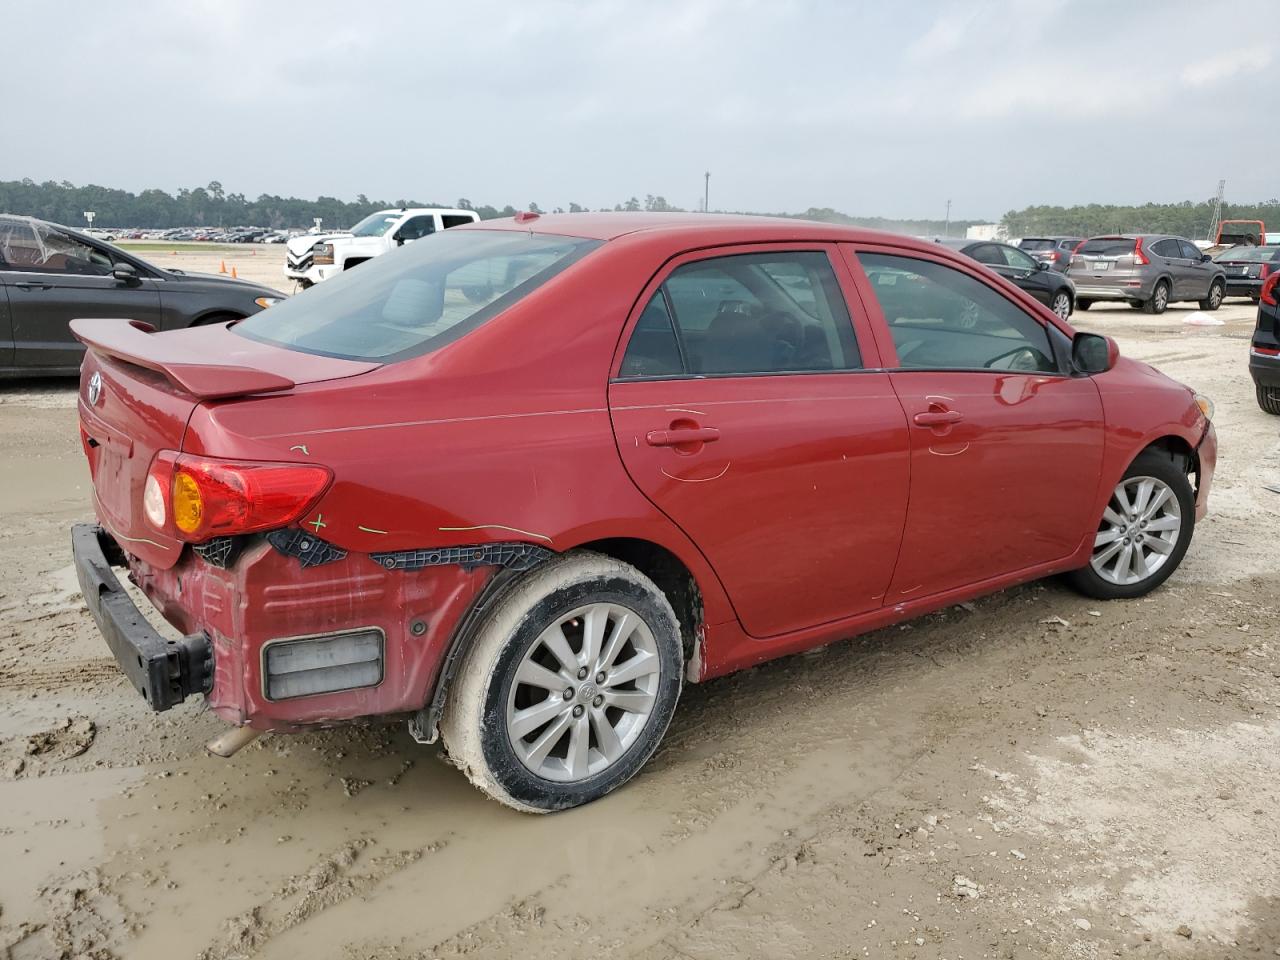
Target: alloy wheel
1215	296
1062	306
1161	297
1139	531
583	692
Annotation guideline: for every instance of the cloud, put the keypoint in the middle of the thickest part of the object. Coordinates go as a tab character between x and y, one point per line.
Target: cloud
1225	65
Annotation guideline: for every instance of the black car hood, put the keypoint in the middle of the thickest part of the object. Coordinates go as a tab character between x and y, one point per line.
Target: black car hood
206	281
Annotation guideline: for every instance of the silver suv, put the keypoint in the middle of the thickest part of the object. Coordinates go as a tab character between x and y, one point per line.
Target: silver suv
1149	270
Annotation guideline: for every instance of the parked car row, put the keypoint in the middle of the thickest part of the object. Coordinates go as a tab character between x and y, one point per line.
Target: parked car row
51	274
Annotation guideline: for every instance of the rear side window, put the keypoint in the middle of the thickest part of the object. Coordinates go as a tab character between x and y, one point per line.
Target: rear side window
1166	248
453	220
758	313
1107	247
417	298
941	318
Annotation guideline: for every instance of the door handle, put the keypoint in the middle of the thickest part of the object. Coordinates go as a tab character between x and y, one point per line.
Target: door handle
937	418
26	285
676	438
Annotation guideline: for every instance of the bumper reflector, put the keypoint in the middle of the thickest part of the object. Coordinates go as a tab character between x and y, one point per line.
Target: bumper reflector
326	664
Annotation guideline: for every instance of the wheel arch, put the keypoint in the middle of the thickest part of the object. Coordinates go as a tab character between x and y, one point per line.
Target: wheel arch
214	315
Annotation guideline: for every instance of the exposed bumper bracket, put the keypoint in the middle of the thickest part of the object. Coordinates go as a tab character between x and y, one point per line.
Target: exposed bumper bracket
165	672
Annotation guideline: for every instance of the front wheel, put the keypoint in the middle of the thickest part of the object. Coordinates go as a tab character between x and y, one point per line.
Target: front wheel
1216	292
1144	533
568	687
1061	304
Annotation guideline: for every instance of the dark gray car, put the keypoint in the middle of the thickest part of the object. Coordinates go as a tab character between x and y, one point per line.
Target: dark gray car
1149	271
50	275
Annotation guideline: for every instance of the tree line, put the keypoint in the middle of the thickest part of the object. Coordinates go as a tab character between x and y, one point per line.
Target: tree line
212	206
1186	219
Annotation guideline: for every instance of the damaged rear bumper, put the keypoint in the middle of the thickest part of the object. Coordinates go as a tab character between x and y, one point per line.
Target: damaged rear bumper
165	672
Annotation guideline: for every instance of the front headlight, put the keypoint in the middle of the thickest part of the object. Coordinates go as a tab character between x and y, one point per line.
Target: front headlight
1205	405
265	302
322	253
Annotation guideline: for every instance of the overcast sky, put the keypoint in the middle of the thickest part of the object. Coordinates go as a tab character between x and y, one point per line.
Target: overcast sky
878	107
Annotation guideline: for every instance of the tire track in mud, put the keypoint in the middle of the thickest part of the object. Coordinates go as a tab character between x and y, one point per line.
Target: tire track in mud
336	878
23	675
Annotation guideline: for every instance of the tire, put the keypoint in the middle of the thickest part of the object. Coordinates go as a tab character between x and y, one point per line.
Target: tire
1083	304
1061	304
1137	304
1269	399
1159	301
1100	579
491	688
1217	291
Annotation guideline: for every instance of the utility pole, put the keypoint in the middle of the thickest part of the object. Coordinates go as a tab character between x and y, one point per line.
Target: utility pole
706	192
946	230
1217	212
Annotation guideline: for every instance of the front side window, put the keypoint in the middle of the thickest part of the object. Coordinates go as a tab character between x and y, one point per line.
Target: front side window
758	313
417	227
941	318
1016	258
30	245
416	298
1189	250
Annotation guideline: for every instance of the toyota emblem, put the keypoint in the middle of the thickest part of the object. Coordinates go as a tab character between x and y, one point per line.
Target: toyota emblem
95	388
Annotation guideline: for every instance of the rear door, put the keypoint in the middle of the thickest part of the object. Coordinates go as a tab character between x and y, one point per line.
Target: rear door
748	410
1006	447
52	279
1018	268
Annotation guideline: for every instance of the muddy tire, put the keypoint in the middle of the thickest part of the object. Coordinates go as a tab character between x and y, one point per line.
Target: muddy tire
568	687
1269	399
1150	518
1217	291
1159	301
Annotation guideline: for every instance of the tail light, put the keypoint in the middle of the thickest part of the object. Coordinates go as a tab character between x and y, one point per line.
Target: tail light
1075	251
198	498
1264	271
1139	258
1268	295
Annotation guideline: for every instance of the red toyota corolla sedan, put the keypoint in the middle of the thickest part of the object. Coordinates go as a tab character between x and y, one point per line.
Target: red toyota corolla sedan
518	482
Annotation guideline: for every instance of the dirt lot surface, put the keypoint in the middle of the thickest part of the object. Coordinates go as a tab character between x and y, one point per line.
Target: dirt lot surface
1033	775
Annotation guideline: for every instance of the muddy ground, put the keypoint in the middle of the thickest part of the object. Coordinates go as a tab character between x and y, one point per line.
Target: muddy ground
1038	775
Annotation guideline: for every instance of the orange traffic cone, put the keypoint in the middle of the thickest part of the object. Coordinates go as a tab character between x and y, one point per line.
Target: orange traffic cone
233	274
223	268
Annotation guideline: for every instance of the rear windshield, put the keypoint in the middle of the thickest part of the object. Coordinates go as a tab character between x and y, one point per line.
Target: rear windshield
418	298
1037	244
1107	246
1251	254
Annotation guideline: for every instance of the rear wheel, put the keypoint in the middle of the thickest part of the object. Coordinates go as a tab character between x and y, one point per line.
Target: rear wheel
1216	292
1144	532
1159	301
1269	399
1083	304
1061	304
569	685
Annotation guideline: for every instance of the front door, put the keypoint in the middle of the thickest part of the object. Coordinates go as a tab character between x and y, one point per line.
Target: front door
53	278
1006	445
744	409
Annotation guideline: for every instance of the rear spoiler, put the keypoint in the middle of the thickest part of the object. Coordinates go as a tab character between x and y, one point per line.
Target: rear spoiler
133	341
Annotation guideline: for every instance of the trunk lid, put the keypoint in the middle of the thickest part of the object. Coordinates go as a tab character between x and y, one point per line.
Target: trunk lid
137	392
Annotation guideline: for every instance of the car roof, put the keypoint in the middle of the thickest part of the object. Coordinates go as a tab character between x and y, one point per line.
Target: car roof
713	227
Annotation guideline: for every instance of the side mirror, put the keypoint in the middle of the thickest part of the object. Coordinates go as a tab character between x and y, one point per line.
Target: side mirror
1092	353
1042	264
124	272
399	239
1205	258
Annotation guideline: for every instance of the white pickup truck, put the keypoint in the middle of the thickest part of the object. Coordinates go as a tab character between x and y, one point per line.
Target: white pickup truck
313	257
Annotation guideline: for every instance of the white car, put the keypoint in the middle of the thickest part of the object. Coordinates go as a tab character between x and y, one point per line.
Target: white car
313	257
